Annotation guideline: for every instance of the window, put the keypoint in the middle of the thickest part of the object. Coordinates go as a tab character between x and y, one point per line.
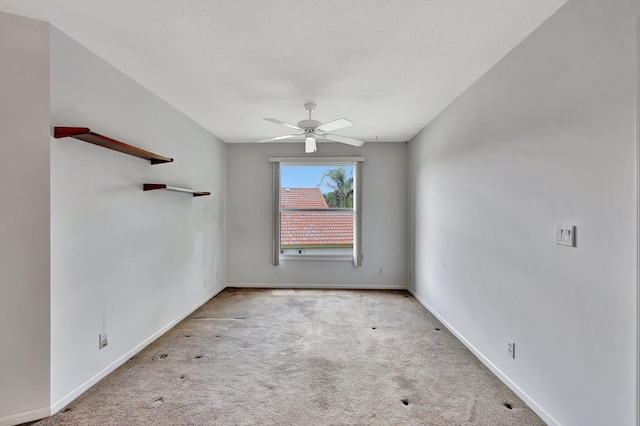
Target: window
317	208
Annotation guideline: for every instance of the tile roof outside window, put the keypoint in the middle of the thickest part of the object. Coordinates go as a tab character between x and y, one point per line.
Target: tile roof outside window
330	228
296	198
313	229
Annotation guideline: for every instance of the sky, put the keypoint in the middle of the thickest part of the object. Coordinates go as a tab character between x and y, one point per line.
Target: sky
306	176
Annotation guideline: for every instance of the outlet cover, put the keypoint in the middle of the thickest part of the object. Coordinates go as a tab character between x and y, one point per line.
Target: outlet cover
511	349
103	340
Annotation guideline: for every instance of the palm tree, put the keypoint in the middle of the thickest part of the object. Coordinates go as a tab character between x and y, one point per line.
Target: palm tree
342	186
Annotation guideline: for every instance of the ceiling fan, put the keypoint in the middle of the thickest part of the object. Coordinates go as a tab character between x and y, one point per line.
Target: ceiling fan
313	129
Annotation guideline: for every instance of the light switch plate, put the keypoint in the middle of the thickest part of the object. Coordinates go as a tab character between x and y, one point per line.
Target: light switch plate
565	235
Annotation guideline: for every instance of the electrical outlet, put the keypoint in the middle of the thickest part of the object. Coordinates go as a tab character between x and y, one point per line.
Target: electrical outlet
380	272
103	340
511	349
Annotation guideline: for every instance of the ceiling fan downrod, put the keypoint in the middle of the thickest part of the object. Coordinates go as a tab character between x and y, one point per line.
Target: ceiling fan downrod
309	125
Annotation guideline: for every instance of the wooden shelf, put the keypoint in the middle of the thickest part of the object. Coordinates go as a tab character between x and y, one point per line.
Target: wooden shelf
86	135
152	186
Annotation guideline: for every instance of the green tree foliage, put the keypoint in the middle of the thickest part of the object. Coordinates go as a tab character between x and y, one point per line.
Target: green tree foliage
341	186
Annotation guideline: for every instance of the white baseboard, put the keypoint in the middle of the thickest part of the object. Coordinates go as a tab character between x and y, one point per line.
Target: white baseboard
320	286
25	416
495	370
68	398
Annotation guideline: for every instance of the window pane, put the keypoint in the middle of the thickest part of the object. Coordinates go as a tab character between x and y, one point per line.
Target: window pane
315	226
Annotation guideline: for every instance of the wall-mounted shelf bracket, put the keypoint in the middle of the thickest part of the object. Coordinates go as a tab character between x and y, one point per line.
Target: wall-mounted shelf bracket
86	135
152	186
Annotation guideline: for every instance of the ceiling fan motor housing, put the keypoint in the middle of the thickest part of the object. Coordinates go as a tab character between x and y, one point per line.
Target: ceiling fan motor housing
309	124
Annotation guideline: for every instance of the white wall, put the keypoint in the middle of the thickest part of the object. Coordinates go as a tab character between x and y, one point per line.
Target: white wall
548	136
124	261
249	211
24	218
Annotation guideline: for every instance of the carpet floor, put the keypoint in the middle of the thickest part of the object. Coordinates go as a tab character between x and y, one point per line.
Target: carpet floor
302	357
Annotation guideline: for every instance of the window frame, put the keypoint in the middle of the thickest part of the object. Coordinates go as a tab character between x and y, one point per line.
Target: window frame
358	173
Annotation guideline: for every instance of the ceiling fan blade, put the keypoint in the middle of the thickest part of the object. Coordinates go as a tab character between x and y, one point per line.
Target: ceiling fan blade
279	138
343	139
310	145
273	120
335	124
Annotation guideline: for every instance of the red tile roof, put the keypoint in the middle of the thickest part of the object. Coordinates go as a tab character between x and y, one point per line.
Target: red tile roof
312	228
295	198
330	228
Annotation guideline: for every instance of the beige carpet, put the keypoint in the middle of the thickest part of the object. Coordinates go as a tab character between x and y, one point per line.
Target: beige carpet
302	357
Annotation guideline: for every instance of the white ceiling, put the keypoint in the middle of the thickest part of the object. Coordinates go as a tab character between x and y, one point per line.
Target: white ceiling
389	66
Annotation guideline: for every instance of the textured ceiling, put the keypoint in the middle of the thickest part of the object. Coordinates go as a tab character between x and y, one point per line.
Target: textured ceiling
388	66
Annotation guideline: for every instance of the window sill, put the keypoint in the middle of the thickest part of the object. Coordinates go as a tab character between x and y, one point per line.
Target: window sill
297	257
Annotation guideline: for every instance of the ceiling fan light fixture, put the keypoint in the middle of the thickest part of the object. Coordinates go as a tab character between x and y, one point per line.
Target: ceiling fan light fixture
310	145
